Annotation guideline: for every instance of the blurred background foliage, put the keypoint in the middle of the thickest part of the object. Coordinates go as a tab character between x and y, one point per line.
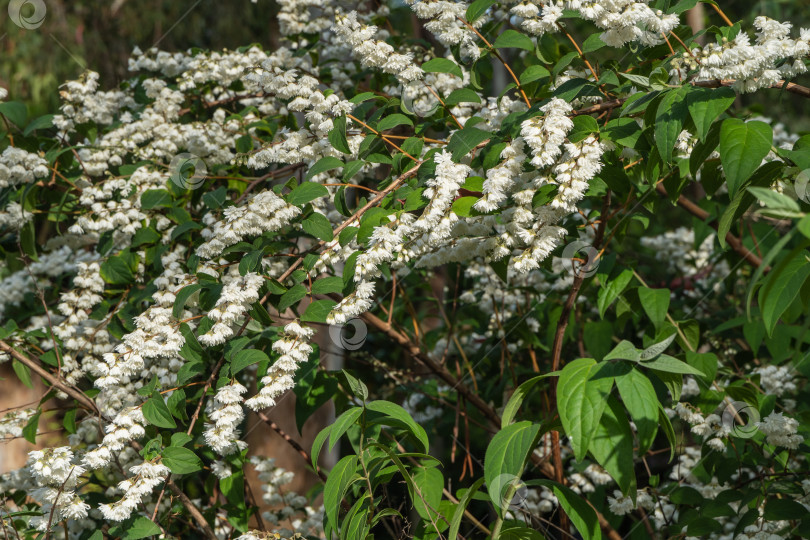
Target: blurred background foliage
100	35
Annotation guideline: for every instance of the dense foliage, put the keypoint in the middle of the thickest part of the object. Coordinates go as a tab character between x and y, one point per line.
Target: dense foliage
573	306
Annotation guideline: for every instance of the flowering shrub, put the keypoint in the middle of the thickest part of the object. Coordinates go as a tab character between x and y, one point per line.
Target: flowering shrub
573	305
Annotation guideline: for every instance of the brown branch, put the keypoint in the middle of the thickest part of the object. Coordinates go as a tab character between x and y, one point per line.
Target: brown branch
193	510
54	381
440	371
292	442
556	352
789	86
735	243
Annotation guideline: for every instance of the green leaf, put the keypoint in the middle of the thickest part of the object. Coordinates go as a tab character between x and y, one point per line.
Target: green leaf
776	201
292	296
322	165
29	432
464	140
250	262
639	398
116	271
43	122
340	477
318	226
155	198
313	390
247	357
463	206
327	285
534	73
429	481
706	104
442	65
343	423
655	303
514	39
393	120
743	146
337	135
308	191
462	95
584	125
478	8
182	297
181	460
581	513
157	413
395	415
624	131
612	447
581	401
15	111
669	120
505	460
781	287
318	310
670	365
23	373
611	290
142	527
520	393
463	502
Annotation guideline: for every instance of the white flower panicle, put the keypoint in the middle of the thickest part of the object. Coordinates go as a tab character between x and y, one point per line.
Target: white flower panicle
146	477
264	212
773	56
545	134
780	430
57	476
227	413
293	349
373	53
236	296
20	167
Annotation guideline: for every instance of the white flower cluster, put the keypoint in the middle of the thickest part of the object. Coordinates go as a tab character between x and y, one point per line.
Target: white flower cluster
289	508
429	231
56	474
12	424
780	430
777	380
236	296
373	53
20	167
293	348
226	412
128	425
147	476
263	212
623	21
546	134
621	504
772	57
443	22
